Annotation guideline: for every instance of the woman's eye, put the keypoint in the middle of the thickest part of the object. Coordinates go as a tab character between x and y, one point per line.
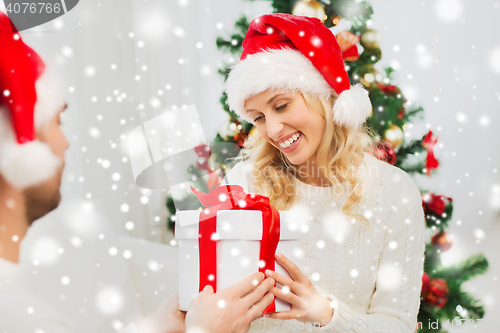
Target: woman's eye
256	119
282	107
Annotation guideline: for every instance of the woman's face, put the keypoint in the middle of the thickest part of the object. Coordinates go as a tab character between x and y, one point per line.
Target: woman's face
286	122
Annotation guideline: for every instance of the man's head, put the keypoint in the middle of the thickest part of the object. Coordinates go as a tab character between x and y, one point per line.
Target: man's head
44	197
32	144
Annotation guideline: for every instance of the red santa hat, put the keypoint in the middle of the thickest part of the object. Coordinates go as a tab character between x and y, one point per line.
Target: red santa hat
27	101
298	53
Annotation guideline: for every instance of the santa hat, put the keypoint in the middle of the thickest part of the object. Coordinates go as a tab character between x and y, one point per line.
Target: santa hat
27	101
300	54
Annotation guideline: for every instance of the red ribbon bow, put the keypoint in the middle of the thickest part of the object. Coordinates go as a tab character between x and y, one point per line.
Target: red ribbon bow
230	197
347	43
431	162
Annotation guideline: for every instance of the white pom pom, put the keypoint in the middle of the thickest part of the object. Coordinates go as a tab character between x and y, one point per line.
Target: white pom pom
352	107
27	164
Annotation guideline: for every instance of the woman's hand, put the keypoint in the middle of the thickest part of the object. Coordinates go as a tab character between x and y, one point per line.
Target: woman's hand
230	310
308	305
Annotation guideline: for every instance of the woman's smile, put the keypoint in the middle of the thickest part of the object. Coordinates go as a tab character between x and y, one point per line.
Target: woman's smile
291	144
287	123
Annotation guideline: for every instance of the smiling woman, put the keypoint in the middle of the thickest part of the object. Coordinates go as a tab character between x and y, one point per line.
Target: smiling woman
298	140
362	245
286	122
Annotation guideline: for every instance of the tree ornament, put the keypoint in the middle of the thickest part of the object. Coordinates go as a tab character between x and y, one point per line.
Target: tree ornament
389	89
435	203
438	292
442	240
336	20
228	129
347	43
425	284
394	135
370	39
240	139
401	113
369	75
384	151
309	8
431	162
253	131
203	151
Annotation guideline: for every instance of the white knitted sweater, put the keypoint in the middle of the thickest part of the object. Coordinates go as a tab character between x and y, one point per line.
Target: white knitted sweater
372	275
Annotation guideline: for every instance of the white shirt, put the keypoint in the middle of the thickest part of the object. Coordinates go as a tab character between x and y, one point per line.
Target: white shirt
373	275
76	275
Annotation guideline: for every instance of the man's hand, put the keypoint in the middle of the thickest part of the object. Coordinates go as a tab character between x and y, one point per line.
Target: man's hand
230	310
166	319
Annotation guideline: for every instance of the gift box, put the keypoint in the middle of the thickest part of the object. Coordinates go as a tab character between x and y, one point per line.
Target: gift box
244	234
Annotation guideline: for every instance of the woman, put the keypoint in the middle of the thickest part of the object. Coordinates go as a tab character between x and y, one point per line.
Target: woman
363	243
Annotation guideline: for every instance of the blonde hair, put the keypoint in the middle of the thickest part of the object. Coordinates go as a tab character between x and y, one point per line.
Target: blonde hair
338	149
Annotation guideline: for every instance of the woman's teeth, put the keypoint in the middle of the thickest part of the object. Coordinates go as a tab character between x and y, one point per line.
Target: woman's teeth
290	142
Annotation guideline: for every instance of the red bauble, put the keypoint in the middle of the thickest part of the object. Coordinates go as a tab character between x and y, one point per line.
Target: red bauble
384	151
438	293
203	151
442	240
389	89
425	283
435	203
401	113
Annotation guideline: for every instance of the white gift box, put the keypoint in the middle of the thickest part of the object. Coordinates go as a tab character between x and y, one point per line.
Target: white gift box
238	249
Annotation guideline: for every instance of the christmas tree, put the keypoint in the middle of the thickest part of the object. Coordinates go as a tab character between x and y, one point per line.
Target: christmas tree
443	302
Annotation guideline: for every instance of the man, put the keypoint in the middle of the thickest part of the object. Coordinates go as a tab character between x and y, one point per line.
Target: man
32	148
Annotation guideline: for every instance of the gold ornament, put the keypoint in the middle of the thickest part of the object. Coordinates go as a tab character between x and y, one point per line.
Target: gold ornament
370	39
310	8
370	77
336	20
253	131
394	135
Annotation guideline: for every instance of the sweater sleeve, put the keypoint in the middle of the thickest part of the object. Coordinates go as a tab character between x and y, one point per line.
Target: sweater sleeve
396	300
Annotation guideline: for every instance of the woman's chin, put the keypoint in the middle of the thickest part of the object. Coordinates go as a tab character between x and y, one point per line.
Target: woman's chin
296	160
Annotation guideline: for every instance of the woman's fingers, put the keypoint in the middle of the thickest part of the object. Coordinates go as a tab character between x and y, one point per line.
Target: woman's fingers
257	294
256	310
290	266
286	295
247	285
281	279
290	314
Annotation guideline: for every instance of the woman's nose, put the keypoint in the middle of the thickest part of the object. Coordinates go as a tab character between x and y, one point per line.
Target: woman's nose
274	126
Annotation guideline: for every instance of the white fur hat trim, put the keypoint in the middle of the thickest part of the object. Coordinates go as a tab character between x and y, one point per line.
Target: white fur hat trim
278	69
30	163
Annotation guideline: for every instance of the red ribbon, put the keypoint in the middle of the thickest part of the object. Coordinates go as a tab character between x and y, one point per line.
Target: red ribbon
347	43
232	197
431	162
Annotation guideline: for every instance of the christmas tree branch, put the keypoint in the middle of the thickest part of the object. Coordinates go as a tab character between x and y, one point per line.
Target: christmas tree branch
466	270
